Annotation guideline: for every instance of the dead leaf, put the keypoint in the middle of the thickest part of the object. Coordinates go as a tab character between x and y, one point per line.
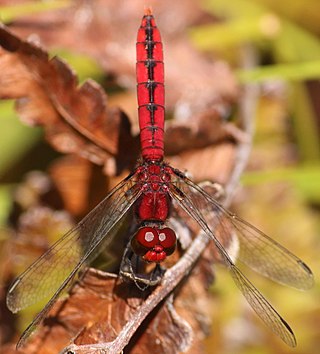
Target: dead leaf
76	118
81	184
96	310
213	163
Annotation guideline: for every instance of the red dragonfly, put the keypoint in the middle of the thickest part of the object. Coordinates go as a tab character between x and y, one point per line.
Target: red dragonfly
150	189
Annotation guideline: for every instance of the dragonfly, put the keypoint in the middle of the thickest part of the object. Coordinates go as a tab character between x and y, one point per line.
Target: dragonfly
150	191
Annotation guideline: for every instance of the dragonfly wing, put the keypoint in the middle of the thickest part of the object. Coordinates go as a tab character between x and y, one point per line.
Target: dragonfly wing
42	314
269	258
56	268
257	250
190	197
263	308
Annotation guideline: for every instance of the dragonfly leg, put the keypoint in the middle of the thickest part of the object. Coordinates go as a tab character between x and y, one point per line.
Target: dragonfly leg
132	268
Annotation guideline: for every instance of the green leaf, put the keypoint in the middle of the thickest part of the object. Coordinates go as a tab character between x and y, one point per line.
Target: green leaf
10	13
235	32
249	21
297	71
306	178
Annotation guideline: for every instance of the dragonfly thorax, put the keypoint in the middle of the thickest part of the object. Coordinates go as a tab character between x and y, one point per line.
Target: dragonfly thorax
154	176
155	202
153	242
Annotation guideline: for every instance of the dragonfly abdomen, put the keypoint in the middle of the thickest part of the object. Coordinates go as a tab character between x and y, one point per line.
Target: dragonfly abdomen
150	89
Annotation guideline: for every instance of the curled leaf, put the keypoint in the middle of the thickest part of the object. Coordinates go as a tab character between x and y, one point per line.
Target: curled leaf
76	118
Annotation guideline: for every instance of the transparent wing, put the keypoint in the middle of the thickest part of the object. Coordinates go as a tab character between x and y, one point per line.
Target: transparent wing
263	308
208	213
257	250
51	273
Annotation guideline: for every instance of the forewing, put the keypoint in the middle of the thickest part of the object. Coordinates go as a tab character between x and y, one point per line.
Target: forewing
51	273
197	204
257	250
269	258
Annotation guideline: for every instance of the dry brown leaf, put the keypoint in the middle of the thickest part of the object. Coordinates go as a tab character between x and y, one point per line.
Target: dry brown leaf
81	184
76	119
213	163
97	309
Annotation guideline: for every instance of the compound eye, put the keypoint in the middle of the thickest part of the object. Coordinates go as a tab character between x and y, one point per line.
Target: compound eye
147	237
168	239
144	239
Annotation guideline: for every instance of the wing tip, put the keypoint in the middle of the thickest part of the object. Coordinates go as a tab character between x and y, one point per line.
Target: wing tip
289	338
10	303
309	283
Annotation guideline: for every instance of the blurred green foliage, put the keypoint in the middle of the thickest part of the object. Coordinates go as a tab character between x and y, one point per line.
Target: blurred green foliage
284	173
11	12
295	57
16	138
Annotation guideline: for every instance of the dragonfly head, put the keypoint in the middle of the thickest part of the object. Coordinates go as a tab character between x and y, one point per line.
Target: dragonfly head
154	244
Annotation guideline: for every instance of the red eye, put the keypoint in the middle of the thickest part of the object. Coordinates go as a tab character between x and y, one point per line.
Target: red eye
154	244
147	237
168	239
144	240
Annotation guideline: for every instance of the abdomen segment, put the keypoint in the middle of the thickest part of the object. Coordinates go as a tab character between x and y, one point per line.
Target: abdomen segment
150	80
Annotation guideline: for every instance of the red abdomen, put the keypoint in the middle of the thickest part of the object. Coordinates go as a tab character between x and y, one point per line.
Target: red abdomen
150	79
